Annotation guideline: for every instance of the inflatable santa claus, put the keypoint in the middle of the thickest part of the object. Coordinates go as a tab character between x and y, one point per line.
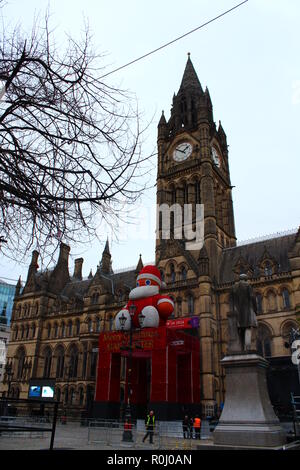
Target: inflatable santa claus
151	308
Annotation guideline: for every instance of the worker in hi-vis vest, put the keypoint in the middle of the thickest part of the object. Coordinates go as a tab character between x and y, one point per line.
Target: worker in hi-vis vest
197	427
150	425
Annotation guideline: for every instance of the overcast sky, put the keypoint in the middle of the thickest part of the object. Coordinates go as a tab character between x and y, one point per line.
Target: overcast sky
249	60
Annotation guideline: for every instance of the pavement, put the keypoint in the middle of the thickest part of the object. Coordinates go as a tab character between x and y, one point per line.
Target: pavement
72	436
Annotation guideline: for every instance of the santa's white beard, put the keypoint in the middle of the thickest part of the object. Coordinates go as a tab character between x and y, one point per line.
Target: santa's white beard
143	291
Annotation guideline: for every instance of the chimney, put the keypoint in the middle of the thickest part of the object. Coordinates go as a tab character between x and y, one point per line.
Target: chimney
63	253
78	268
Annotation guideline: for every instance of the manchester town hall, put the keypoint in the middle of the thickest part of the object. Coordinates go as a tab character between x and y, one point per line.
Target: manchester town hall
58	315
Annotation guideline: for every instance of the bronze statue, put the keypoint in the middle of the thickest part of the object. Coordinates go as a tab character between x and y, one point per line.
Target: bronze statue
242	319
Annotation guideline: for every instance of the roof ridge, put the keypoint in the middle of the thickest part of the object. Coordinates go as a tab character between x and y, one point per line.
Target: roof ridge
263	238
132	268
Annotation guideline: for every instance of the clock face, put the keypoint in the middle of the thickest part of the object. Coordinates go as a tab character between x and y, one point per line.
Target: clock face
216	157
182	151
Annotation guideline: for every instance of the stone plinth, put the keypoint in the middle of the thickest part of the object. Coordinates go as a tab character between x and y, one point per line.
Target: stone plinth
248	418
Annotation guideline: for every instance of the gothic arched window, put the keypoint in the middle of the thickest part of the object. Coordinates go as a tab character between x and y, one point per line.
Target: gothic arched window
33	330
173	196
186	194
268	269
77	326
172	273
259	303
72	396
98	323
21	363
84	362
264	340
271	301
197	193
60	362
183	111
95	298
286	298
47	363
190	304
183	273
66	395
81	396
94	356
73	362
70	326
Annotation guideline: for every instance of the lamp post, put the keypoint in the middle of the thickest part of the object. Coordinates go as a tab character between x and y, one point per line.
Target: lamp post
132	310
127	435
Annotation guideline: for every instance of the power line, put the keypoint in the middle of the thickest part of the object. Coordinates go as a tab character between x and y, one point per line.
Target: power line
174	40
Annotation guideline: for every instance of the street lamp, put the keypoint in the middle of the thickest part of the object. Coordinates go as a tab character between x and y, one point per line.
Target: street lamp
127	435
132	310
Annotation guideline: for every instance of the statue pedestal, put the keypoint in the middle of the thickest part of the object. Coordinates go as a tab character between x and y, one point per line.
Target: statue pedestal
248	418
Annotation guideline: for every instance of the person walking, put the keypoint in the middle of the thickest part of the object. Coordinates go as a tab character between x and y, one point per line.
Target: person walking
191	427
197	426
150	425
185	427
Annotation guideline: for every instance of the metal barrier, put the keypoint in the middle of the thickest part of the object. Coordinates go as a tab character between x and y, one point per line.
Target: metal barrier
165	436
20	417
110	433
295	401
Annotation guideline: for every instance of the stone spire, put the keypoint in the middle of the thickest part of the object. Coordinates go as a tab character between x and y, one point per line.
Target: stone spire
18	286
140	265
190	79
105	263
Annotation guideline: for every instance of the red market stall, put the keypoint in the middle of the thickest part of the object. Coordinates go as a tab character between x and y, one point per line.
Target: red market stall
165	372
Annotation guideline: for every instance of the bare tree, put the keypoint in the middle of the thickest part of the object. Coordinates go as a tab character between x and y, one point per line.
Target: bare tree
70	144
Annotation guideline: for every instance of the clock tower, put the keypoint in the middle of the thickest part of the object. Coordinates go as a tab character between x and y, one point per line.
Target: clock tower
193	169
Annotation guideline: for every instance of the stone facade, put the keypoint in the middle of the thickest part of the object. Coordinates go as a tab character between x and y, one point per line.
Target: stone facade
57	317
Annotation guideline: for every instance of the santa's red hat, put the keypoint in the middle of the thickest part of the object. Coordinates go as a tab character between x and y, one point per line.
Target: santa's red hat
150	272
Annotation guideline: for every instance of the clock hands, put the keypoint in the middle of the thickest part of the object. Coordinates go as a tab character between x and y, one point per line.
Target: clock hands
185	148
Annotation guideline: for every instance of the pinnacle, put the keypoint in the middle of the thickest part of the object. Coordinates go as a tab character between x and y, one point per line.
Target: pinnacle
190	78
162	120
106	248
140	264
